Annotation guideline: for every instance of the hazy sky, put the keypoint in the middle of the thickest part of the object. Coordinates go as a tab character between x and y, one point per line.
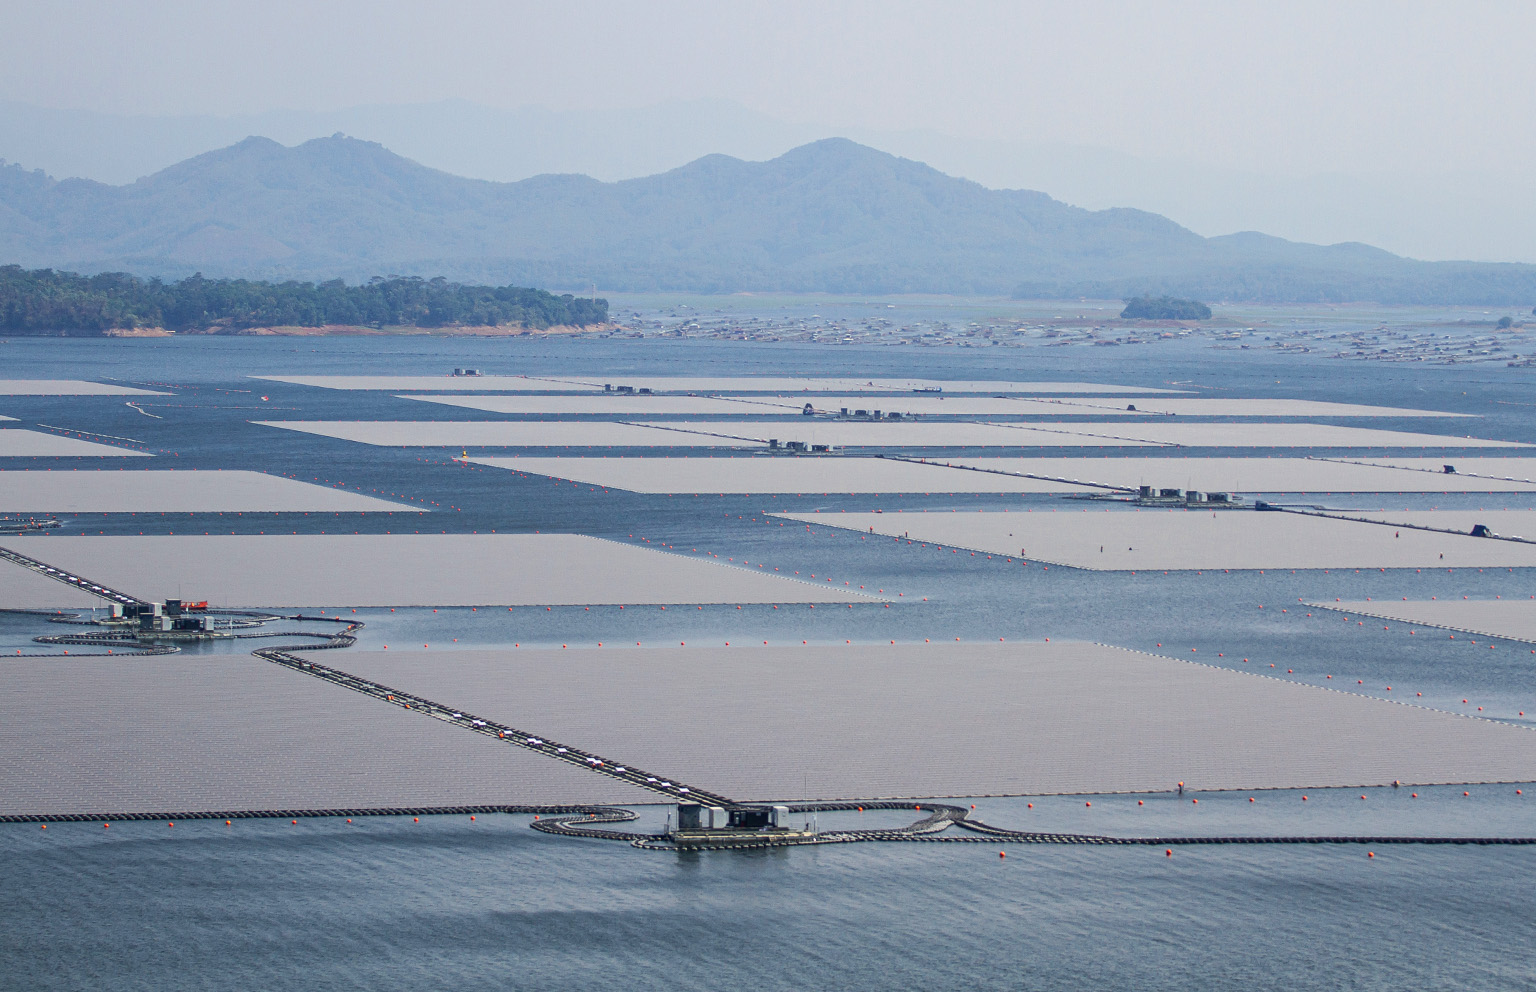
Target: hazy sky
1292	87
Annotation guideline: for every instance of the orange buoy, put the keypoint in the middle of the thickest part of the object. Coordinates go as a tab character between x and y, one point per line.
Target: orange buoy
1087	804
471	817
226	823
1168	853
1370	854
1002	854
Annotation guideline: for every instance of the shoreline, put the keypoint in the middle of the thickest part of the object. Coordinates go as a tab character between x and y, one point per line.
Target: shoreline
346	330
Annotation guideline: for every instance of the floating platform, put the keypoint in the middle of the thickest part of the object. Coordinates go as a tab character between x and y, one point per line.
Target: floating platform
715	839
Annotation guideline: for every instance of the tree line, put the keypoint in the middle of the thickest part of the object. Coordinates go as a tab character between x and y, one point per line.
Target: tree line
44	301
1164	308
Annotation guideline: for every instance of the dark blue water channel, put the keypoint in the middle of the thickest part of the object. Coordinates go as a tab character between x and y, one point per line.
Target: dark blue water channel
388	903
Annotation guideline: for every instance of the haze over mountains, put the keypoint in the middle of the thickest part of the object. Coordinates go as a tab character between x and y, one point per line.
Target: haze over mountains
830	216
1413	205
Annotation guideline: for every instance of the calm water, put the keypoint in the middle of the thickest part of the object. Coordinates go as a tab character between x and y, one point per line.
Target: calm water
391	904
387	903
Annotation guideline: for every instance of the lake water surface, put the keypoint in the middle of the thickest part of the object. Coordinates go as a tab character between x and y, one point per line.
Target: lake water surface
388	903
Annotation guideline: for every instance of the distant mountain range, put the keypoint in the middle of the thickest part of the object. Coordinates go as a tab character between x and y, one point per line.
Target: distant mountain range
830	216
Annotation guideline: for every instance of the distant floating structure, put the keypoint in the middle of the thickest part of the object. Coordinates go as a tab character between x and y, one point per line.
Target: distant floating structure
1153	496
743	826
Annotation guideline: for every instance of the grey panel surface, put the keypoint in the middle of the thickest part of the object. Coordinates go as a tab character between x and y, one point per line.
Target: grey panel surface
185	734
554	433
928	405
1250	435
1257	407
774	404
436	383
1184	539
608	405
16	442
910	434
69	387
174	492
1503	522
1510	618
505	434
1083	435
23	589
316	570
775	475
1508	469
1251	475
794	384
872	721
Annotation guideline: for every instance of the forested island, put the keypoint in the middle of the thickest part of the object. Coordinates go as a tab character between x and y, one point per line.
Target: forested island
1164	308
44	301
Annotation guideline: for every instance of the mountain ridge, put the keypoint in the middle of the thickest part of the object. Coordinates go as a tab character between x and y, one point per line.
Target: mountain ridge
828	216
1480	212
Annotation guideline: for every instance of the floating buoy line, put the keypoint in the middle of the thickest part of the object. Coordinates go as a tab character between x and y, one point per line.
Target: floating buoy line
590	821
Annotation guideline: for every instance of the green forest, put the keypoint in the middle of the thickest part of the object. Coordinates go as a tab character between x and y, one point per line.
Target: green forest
1164	308
44	301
